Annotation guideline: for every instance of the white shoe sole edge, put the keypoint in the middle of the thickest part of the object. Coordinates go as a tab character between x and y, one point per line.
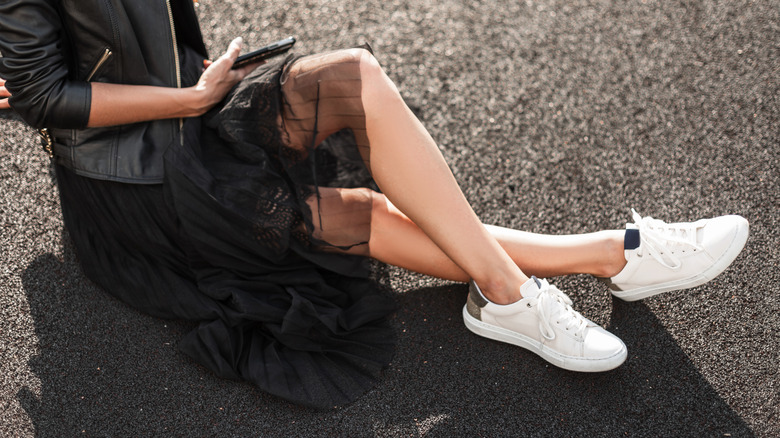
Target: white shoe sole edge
562	361
720	265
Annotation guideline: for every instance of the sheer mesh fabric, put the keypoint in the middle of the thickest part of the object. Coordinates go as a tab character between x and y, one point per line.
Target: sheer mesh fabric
322	96
314	134
268	191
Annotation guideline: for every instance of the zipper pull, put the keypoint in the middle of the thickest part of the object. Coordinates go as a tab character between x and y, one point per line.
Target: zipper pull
107	54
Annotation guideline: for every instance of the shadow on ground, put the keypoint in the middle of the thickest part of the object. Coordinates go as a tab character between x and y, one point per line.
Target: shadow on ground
108	370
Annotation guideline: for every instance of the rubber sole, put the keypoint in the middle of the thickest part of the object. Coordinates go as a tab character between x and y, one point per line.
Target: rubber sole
562	361
720	265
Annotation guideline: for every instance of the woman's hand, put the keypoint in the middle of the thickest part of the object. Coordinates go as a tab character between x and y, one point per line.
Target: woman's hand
219	77
4	95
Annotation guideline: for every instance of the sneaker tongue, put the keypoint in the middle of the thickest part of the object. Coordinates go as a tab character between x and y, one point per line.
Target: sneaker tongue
531	288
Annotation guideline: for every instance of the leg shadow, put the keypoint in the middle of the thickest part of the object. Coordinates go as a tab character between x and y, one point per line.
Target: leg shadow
477	387
106	369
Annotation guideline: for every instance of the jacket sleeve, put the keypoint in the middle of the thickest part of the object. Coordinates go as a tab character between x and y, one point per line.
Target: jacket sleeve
35	68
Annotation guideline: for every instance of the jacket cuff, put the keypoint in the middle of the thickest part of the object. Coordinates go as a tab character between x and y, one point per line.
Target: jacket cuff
72	106
66	108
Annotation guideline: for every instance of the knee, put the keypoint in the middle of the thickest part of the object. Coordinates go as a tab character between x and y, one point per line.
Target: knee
364	58
384	216
372	75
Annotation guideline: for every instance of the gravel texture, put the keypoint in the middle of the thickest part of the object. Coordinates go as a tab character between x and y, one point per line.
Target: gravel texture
556	116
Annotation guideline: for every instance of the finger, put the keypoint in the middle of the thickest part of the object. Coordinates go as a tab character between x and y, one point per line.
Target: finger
245	70
234	49
4	104
4	91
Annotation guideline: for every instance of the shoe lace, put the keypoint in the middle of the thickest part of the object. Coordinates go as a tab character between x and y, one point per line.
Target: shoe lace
554	305
661	240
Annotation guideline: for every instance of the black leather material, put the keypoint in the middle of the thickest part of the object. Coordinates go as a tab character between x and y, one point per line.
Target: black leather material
50	48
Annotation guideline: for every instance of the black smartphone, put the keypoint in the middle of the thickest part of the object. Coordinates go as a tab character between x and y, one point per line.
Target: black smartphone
266	52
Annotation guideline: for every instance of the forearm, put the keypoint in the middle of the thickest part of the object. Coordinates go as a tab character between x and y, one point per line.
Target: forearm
114	104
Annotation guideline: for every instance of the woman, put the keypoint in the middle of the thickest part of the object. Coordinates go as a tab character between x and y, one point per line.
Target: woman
249	200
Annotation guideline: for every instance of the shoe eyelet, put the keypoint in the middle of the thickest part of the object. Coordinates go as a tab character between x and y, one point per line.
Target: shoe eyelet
528	305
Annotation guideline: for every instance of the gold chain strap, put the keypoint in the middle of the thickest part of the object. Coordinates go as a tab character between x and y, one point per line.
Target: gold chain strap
47	140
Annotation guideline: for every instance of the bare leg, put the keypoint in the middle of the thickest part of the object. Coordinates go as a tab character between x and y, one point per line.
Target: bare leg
397	240
600	253
406	164
412	173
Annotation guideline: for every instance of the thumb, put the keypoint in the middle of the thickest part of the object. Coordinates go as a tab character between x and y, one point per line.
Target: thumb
234	48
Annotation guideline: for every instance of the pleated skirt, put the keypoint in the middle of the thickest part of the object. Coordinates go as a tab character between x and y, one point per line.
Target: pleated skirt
226	241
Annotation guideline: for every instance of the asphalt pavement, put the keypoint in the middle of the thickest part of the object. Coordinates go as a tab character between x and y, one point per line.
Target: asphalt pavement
556	117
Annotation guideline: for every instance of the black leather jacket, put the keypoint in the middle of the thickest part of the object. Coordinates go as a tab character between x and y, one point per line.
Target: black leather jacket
53	49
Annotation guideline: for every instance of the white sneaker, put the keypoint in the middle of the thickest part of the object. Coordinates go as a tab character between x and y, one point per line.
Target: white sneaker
679	255
544	322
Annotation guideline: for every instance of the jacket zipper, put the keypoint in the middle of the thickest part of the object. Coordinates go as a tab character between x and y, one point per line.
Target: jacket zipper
176	59
103	58
175	43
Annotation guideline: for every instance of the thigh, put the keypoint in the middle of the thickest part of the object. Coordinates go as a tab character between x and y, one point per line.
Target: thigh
322	95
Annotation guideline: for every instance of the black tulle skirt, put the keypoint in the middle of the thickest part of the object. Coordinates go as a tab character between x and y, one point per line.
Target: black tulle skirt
226	241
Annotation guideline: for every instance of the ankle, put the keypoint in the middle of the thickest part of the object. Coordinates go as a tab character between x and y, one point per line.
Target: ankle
613	258
502	290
